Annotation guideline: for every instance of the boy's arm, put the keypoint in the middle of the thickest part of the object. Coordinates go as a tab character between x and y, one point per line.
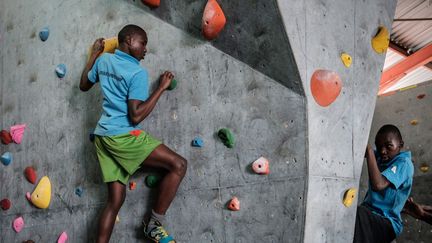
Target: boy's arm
417	211
378	181
97	49
138	110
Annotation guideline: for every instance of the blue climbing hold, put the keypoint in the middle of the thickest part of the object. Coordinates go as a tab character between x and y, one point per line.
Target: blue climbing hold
60	70
6	158
79	191
197	142
43	34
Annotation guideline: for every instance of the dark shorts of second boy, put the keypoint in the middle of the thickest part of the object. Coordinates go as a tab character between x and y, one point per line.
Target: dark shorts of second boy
121	155
372	228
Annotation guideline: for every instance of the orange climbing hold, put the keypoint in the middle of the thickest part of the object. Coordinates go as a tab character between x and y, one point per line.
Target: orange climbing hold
414	122
326	86
213	20
151	3
234	204
261	166
30	174
135	133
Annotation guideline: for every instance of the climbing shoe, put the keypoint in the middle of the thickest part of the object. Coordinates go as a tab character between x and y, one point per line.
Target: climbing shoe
158	234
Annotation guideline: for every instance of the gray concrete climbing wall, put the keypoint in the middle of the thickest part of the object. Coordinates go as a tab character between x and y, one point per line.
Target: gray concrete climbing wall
401	109
215	90
319	31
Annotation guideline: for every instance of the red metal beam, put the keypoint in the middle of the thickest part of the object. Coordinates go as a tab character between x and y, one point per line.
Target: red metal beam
402	68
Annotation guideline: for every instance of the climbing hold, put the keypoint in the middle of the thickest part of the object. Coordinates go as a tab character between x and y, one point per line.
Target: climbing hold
135	133
18	224
234	204
79	191
43	34
17	133
424	168
30	174
132	185
63	237
381	40
28	241
5	204
349	197
172	85
117	219
227	137
151	3
60	70
325	86
6	158
5	137
213	20
152	181
414	122
197	142
41	196
110	44
421	96
261	166
28	196
346	59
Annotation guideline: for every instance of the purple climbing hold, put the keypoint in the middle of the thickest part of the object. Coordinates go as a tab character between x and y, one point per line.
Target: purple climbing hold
61	70
44	33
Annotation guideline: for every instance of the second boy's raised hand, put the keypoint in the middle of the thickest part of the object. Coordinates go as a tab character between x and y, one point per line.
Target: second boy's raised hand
165	80
98	47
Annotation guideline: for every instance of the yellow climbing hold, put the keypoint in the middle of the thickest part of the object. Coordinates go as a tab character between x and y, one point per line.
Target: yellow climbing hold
424	168
414	122
381	40
41	196
346	59
349	197
110	45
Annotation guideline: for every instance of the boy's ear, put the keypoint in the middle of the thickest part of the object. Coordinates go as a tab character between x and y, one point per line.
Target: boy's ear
128	40
401	144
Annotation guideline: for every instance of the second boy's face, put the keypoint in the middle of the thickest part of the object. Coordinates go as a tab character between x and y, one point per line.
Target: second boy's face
388	146
138	46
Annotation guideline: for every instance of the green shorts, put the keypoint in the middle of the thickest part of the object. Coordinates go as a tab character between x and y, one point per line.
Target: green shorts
121	155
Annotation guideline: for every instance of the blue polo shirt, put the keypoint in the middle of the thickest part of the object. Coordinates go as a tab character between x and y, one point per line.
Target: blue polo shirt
121	78
389	202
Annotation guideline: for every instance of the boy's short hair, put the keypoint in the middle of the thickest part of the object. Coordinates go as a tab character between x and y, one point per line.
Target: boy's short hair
389	128
130	30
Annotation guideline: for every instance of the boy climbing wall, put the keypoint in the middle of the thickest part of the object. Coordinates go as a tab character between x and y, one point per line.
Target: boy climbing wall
390	181
122	147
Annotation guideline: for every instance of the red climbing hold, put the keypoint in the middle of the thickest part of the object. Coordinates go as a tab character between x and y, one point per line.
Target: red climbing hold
151	3
30	174
421	96
135	133
261	166
234	204
213	20
5	137
5	204
132	185
325	86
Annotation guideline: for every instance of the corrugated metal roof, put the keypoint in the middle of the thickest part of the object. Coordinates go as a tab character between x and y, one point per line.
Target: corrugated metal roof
412	35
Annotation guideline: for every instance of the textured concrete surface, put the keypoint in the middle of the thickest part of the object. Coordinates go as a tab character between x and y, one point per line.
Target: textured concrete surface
319	31
215	90
399	109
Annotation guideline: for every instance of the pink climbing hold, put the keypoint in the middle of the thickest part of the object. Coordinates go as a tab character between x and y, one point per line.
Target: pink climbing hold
28	196
234	204
62	238
17	132
261	166
18	224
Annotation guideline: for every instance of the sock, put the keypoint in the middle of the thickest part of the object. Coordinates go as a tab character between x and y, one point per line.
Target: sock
154	218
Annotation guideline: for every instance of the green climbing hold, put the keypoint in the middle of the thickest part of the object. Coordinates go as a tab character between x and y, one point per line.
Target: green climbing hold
173	84
152	181
227	137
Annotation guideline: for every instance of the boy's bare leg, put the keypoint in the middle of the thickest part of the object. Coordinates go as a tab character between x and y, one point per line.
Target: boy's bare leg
163	157
116	197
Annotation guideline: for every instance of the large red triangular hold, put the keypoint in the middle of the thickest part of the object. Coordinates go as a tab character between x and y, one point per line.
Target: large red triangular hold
30	174
234	204
151	3
213	20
